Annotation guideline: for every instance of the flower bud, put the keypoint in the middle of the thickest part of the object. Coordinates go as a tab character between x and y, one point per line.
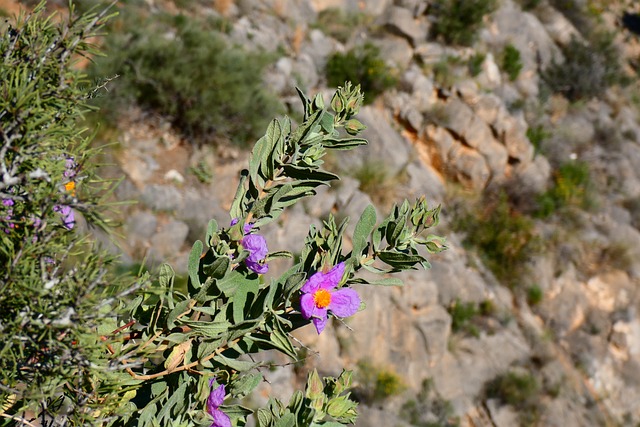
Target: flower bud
354	127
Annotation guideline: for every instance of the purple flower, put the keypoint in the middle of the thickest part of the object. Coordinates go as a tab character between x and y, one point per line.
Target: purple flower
216	397
9	216
68	218
319	296
257	247
70	166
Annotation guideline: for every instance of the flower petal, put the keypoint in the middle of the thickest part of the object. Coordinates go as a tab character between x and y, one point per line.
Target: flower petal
344	302
333	277
216	397
307	305
320	323
256	267
313	283
256	245
220	419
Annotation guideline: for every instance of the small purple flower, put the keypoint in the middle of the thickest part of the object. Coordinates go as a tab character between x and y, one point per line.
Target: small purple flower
70	166
257	247
68	218
8	218
319	296
216	397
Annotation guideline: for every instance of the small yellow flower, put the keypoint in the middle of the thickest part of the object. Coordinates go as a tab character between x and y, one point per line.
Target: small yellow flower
71	187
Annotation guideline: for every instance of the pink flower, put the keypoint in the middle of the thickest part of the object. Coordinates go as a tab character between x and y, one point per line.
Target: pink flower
216	397
257	247
68	218
320	296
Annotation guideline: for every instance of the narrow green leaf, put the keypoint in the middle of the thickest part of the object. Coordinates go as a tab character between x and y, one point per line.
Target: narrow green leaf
258	152
265	418
245	384
273	136
399	260
306	173
238	365
218	268
194	263
236	210
344	143
171	405
179	309
208	329
364	227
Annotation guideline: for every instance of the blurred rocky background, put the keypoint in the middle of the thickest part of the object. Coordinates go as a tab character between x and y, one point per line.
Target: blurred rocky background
520	117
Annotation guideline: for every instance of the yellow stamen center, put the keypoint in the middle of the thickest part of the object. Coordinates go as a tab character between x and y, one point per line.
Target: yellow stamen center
71	187
322	298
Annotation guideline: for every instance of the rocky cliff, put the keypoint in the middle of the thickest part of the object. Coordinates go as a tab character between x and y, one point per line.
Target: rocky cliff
550	337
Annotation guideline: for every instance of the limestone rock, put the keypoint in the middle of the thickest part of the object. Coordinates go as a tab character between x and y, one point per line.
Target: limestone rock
402	22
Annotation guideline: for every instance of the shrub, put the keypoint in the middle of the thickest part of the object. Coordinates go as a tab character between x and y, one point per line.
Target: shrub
588	70
528	4
461	316
571	188
377	383
56	285
458	21
376	181
447	71
475	63
339	24
534	295
183	69
511	63
536	135
361	64
520	390
429	409
514	388
503	237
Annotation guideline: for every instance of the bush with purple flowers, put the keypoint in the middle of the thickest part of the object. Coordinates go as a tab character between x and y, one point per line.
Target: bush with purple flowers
150	354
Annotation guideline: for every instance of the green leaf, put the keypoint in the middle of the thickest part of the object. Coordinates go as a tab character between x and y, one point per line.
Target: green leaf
179	309
301	133
387	281
399	260
173	404
305	173
306	103
235	364
327	122
236	210
208	329
273	136
364	227
244	385
218	268
343	143
194	263
236	411
265	418
242	297
281	341
258	153
212	229
293	284
230	283
287	420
